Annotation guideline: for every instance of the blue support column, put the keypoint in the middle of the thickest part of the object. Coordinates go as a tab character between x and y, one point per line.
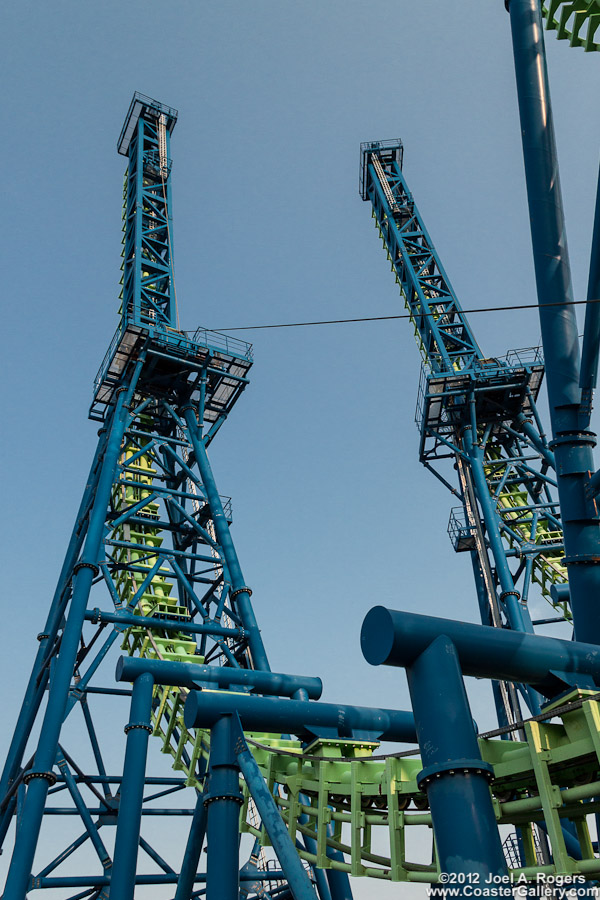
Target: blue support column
193	849
41	775
517	614
223	799
283	845
572	441
591	331
129	820
240	590
454	774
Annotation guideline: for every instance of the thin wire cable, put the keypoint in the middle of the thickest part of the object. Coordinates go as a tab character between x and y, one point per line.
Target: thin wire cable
464	312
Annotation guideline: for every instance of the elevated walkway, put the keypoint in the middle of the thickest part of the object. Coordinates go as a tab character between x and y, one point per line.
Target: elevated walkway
174	367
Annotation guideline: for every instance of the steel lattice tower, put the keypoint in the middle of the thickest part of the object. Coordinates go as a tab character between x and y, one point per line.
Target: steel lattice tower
151	568
152	537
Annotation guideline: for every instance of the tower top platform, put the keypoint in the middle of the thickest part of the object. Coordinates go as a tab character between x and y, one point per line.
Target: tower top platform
139	106
388	152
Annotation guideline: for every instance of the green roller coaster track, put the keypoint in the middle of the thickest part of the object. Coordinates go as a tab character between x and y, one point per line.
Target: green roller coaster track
574	20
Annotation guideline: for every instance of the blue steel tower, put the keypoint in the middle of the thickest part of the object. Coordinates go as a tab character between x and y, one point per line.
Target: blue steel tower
151	565
479	415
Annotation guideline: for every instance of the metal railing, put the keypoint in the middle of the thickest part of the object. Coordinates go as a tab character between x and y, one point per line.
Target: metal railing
223	343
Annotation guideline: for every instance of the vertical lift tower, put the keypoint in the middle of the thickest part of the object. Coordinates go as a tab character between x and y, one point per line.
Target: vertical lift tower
152	536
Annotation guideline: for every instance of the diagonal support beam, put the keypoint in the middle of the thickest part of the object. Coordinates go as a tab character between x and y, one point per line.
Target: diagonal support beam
298	880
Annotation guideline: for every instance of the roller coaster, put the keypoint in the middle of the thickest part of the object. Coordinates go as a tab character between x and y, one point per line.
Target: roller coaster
151	572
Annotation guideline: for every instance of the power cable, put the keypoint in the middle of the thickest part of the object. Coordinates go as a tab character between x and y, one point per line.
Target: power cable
439	315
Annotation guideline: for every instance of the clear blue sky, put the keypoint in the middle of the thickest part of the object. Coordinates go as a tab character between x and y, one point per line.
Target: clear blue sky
332	511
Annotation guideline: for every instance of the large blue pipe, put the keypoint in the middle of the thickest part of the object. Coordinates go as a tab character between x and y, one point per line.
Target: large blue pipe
191	675
517	613
193	849
279	836
454	774
572	442
393	638
139	729
302	717
591	331
223	800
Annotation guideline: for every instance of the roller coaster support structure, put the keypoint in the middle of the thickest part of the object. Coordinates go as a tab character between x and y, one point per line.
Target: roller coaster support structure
572	440
454	776
152	565
436	653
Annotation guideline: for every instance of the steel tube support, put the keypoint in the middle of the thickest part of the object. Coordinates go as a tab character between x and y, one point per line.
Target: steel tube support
517	613
393	638
454	774
283	845
192	675
591	332
129	820
238	585
193	849
572	442
223	800
35	691
538	442
22	859
203	709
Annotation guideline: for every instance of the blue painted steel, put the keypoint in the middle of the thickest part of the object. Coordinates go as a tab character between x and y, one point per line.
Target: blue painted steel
129	820
86	818
454	775
148	294
302	717
149	372
192	675
448	342
39	675
238	585
283	845
193	849
476	411
591	331
517	613
393	638
572	443
22	860
223	799
161	878
122	618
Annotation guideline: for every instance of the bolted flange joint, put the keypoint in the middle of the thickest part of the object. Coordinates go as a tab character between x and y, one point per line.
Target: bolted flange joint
193	408
582	559
141	725
510	594
86	565
236	798
241	590
454	767
50	777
